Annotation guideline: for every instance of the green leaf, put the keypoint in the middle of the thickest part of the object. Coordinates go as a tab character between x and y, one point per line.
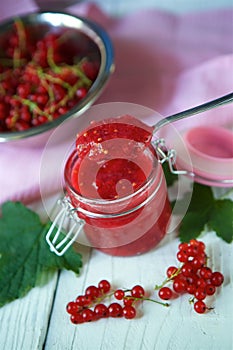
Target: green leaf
202	198
197	214
24	253
206	211
192	225
221	219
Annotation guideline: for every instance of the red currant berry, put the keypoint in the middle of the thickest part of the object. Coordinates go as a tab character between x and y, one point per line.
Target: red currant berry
101	311
191	251
81	92
165	293
88	315
183	246
201	283
194	242
200	294
88	300
81	300
137	291
92	292
115	310
191	288
210	289
179	285
200	307
23	90
72	307
42	99
198	262
104	286
128	301
201	245
192	279
205	272
25	115
217	279
76	318
187	269
182	256
21	125
119	294
129	312
171	271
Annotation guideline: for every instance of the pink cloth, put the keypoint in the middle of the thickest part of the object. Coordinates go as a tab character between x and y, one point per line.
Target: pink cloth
163	61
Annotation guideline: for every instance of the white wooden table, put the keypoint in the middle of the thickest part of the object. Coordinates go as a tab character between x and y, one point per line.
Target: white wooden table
39	320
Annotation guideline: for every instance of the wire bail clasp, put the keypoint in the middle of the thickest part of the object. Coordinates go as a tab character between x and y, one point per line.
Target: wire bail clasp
66	216
167	155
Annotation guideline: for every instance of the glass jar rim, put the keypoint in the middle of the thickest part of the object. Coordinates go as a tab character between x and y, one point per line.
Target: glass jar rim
87	200
122	213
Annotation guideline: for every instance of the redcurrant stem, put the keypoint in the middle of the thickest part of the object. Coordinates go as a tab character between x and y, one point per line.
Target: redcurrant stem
16	58
153	300
32	106
110	294
55	80
158	302
168	279
22	43
14	119
191	300
65	99
50	53
39	72
57	69
101	298
49	90
21	34
78	71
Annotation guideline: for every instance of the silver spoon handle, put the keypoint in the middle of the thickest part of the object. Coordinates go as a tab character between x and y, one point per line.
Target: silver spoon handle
195	110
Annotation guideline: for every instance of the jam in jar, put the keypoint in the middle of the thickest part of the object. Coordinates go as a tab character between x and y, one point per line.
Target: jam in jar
116	184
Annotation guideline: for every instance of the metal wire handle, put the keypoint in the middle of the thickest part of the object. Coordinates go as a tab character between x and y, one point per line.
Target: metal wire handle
59	247
195	110
168	155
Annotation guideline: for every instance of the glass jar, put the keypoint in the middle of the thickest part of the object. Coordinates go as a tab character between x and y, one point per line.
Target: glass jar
131	223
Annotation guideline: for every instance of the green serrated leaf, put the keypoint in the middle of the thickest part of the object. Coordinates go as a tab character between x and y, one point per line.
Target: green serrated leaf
192	225
221	219
205	210
202	198
24	254
197	215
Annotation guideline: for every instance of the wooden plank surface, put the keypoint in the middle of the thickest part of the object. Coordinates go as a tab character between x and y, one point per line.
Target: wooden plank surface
24	322
174	328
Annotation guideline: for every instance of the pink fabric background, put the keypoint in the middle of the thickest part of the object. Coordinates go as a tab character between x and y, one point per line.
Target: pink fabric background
163	61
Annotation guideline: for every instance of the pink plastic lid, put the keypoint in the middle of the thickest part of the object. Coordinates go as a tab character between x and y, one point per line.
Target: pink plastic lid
211	153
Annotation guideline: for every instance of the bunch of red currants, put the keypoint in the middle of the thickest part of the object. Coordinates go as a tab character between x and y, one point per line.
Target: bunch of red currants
91	307
41	78
193	276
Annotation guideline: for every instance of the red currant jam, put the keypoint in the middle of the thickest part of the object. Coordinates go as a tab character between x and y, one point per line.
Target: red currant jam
119	189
